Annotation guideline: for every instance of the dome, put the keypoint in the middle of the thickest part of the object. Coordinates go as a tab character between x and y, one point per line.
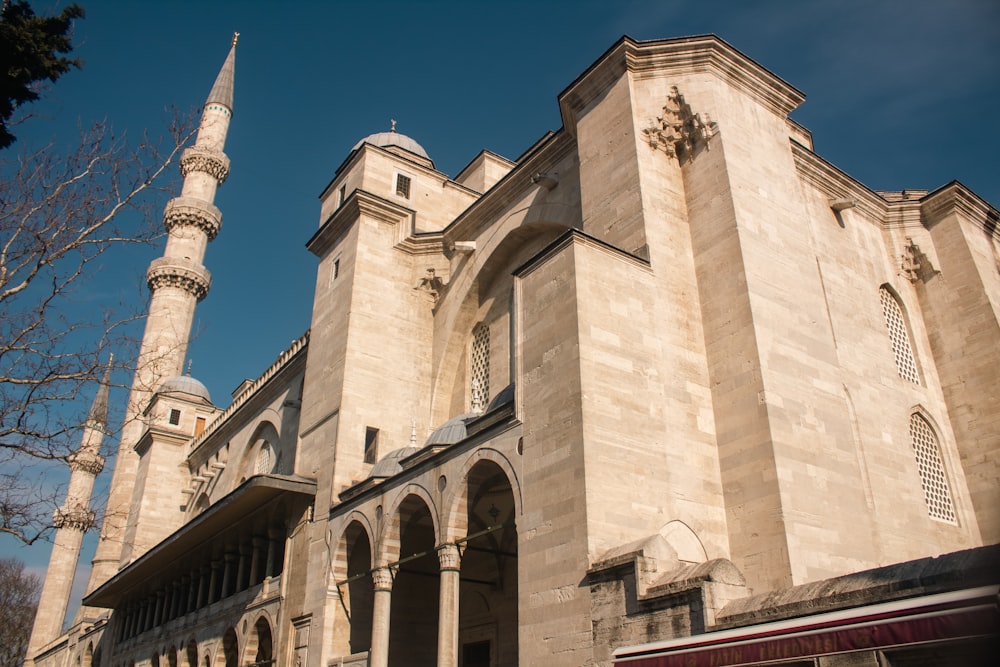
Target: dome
451	431
384	139
184	384
389	464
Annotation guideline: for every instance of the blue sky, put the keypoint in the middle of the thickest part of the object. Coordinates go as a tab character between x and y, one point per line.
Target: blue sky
899	94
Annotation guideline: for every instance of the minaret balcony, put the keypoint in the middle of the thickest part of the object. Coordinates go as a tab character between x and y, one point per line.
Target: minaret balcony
212	162
181	211
186	274
78	518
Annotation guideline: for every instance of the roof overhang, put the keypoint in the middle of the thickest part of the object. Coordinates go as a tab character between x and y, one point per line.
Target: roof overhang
227	512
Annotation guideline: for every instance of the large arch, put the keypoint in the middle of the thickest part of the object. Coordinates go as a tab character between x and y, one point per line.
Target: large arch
515	240
259	651
388	545
414	602
352	565
455	519
487	620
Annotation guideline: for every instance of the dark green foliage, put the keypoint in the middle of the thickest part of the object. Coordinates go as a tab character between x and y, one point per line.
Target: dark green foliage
31	49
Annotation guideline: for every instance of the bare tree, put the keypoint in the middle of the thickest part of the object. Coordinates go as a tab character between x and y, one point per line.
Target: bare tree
59	214
18	599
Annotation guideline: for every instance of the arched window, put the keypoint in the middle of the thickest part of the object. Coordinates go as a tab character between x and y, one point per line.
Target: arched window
263	465
479	363
899	336
937	494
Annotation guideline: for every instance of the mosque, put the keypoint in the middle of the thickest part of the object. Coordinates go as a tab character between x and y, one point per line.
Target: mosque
667	389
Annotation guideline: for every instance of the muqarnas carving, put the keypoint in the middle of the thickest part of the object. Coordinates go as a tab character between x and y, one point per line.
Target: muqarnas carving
679	130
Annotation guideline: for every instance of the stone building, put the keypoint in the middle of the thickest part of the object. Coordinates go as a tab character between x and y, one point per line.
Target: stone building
667	372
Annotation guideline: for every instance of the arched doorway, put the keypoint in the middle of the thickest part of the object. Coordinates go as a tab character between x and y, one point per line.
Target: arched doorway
488	585
260	646
192	654
414	606
228	654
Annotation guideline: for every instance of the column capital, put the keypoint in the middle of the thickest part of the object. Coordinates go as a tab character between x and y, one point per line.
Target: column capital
382	579
449	557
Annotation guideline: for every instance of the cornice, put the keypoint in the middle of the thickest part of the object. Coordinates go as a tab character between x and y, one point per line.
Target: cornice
572	237
956	198
497	199
705	53
363	203
836	184
285	361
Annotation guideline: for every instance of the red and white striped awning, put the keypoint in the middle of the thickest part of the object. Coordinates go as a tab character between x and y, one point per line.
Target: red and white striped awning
964	614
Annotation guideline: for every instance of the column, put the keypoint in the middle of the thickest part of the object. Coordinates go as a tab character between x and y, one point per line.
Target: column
203	593
449	558
241	569
227	574
213	582
255	575
379	655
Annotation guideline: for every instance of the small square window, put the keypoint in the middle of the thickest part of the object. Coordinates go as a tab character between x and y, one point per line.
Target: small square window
175	416
336	269
371	444
403	186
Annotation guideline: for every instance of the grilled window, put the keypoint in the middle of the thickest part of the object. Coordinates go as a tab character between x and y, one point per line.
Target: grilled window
937	494
899	336
403	186
480	365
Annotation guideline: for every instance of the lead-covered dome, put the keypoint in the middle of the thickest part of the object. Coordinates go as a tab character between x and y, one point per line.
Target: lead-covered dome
184	384
393	138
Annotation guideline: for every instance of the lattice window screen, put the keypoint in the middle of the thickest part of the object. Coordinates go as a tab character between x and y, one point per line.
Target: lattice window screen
480	365
263	460
899	337
932	477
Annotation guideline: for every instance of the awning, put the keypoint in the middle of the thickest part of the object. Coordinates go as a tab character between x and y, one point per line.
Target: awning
227	512
965	614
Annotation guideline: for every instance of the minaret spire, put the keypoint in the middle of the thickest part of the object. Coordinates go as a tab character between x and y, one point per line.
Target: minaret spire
72	520
177	281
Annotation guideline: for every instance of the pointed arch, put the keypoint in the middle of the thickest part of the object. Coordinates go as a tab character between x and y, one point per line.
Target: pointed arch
227	654
259	650
352	565
930	465
900	336
398	511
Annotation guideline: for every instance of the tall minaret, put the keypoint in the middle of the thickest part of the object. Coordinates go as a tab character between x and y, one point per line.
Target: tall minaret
177	281
72	520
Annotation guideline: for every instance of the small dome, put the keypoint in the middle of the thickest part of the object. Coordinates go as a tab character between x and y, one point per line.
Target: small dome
389	464
451	431
383	139
184	384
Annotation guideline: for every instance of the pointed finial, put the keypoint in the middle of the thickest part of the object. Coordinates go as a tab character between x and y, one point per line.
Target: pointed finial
236	38
190	361
393	124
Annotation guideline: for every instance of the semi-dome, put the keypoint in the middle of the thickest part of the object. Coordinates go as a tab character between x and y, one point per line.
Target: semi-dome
184	384
393	138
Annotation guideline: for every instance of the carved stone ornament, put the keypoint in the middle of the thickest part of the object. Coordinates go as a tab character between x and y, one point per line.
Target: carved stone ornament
211	162
78	518
432	284
188	211
679	130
